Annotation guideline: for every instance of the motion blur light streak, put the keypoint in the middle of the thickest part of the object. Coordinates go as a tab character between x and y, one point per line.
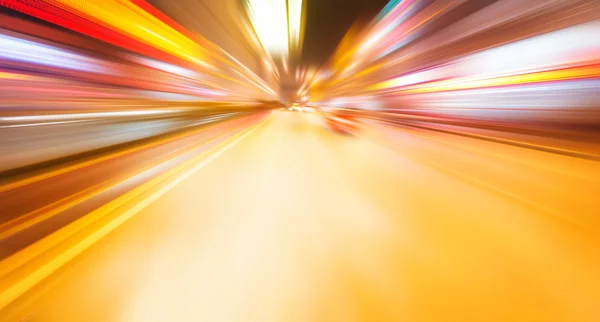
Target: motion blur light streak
295	23
278	24
86	115
20	50
186	160
269	19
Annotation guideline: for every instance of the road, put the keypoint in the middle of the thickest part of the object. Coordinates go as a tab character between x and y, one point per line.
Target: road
290	222
51	195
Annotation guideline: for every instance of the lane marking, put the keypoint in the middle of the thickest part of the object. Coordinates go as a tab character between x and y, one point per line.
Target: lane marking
163	183
33	217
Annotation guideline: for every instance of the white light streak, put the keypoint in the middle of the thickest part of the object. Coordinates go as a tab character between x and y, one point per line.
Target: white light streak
269	18
70	116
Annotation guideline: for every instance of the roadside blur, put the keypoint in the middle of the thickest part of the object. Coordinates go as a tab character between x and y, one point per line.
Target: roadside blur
526	71
76	79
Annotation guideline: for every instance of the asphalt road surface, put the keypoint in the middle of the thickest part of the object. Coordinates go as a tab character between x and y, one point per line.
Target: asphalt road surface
292	222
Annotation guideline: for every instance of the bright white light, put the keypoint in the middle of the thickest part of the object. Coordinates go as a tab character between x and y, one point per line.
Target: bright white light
52	117
16	49
269	18
336	102
164	67
536	53
371	41
412	79
295	22
322	75
268	65
40	124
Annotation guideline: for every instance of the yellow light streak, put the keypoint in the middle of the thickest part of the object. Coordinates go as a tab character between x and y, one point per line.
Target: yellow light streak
100	222
461	84
128	19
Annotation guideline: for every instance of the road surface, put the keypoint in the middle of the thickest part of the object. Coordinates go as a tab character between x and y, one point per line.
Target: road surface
291	222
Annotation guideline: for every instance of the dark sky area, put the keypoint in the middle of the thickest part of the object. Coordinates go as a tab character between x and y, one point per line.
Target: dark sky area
327	22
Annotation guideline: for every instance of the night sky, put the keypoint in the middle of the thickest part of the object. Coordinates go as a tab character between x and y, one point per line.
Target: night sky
328	20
